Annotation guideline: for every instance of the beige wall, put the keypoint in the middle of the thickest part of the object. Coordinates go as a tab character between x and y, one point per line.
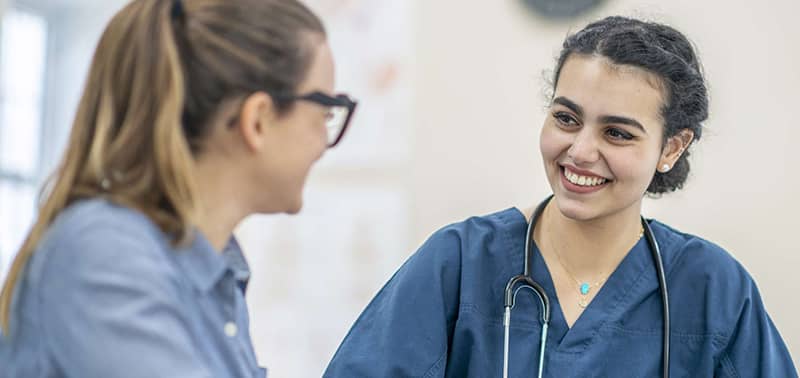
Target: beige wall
479	106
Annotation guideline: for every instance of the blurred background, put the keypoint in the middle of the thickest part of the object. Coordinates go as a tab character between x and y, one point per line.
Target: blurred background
451	101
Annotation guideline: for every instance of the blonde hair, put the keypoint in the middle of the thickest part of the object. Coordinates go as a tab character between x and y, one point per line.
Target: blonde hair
160	71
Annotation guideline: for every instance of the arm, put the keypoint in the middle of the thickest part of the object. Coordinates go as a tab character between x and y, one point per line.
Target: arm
754	349
111	307
406	329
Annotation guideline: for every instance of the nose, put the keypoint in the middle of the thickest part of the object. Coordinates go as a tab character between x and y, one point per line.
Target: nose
584	148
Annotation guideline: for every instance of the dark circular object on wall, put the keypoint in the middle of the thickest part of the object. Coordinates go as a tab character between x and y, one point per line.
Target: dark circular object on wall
561	9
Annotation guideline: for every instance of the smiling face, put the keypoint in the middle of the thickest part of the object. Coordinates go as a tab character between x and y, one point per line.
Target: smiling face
602	139
299	138
278	149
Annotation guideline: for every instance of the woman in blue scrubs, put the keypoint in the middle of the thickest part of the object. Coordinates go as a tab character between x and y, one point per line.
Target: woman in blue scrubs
196	114
628	102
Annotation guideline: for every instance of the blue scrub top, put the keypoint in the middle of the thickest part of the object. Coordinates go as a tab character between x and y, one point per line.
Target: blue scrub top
441	314
106	294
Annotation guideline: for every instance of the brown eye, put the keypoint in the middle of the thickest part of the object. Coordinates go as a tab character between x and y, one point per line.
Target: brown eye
565	119
618	134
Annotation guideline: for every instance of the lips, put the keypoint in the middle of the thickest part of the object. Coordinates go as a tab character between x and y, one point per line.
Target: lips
581	181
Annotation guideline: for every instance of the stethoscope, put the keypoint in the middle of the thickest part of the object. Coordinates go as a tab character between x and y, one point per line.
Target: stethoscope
525	281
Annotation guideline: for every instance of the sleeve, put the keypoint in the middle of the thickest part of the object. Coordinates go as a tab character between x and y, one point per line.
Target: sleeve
405	330
754	348
111	307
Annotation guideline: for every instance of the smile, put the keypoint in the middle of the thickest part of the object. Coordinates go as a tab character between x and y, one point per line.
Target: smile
581	180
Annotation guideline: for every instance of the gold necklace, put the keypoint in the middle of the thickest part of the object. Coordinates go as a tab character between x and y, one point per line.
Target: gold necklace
584	287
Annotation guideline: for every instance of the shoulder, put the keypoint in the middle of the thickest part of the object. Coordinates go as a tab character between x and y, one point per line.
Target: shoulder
687	254
484	243
102	215
95	236
476	232
706	278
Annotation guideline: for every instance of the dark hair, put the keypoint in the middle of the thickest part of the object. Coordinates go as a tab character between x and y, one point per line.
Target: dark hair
665	52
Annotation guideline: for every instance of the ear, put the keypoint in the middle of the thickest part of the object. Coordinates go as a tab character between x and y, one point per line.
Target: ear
256	113
673	149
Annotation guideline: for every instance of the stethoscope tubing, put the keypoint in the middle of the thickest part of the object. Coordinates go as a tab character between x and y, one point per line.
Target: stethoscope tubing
525	281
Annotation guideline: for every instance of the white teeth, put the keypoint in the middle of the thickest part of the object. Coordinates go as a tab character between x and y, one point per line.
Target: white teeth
583	180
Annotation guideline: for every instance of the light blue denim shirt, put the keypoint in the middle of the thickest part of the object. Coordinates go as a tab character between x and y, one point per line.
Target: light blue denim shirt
107	295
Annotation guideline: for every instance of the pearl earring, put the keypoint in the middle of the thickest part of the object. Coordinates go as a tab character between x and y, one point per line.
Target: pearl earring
665	168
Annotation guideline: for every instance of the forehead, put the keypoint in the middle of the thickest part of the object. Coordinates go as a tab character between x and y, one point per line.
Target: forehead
601	87
320	76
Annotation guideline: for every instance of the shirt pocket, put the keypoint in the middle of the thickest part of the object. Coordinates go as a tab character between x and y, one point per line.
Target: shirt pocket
641	352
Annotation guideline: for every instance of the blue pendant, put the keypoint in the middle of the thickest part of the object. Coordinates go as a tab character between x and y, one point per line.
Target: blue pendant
585	288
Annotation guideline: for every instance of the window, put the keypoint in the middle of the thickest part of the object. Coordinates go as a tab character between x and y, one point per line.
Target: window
23	44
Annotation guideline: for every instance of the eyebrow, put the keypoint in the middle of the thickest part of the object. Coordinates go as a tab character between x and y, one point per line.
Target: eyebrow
561	100
623	121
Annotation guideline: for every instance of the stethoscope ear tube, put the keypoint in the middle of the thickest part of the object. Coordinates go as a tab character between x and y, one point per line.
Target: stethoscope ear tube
511	296
662	283
525	281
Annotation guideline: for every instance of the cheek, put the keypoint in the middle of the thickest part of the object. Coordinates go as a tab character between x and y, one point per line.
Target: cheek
552	142
635	165
307	129
314	123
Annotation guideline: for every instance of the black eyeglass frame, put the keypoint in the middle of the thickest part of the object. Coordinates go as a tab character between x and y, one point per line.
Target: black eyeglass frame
323	99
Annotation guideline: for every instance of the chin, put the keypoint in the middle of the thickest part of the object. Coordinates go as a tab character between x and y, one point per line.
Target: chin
575	210
286	206
295	206
591	209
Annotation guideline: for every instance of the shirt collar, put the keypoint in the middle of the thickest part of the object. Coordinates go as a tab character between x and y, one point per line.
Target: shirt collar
236	261
205	267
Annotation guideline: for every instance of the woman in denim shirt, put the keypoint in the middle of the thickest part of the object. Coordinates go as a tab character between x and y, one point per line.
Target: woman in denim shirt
196	114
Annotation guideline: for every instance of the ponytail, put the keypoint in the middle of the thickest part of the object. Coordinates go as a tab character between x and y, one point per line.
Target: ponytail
127	143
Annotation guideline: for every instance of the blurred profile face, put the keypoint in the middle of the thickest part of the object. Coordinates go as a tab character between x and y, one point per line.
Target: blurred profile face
601	141
297	139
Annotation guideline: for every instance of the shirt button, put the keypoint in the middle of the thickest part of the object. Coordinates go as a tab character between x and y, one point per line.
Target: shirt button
230	329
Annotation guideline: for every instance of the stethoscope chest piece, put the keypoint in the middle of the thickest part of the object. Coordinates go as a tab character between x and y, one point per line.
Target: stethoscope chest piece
525	281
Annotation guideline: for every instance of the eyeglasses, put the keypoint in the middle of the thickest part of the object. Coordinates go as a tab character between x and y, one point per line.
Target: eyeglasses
340	111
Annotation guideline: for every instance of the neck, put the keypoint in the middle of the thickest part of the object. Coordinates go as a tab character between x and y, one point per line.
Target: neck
219	206
590	249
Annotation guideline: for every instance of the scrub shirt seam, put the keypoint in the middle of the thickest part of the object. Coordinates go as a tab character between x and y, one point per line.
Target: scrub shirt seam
684	335
728	365
474	309
503	217
508	237
436	367
509	263
674	262
618	303
672	239
604	324
509	247
720	340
